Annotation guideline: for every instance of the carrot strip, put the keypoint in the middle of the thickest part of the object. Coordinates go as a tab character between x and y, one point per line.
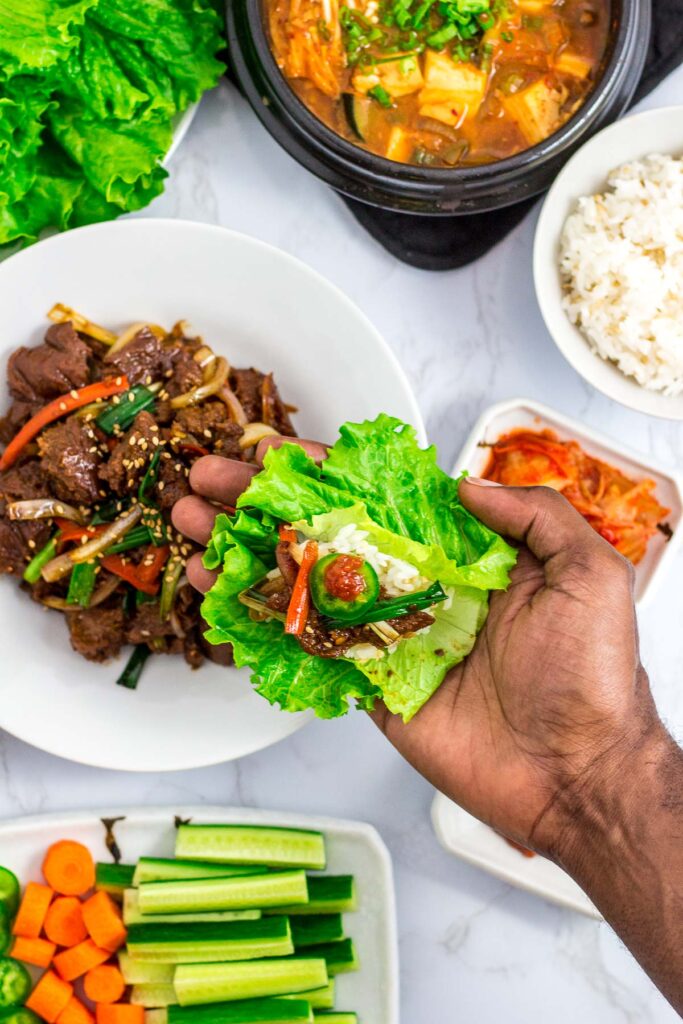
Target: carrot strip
129	572
287	534
300	602
69	868
56	409
64	921
50	997
119	1013
75	1013
28	923
103	920
104	984
33	951
74	962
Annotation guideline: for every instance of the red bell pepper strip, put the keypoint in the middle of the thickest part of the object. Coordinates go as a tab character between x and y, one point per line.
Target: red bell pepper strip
300	603
153	562
130	572
56	409
69	532
194	449
287	534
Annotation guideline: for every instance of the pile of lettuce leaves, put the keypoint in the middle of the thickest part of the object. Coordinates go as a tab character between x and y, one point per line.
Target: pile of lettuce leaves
90	91
377	477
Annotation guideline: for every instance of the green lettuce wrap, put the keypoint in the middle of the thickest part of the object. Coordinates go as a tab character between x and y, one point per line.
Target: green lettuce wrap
377	480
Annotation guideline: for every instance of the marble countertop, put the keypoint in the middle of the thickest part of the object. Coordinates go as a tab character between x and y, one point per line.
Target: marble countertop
472	948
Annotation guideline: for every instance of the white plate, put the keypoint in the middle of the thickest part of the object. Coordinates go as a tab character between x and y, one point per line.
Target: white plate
655	131
259	307
182	126
522	412
476	843
353	848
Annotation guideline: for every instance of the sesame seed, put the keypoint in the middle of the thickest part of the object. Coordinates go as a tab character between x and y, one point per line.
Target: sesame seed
118	381
178	467
161	485
73	393
103	494
132	440
31	543
59	509
63	406
131	482
207	433
116	399
155	440
131	396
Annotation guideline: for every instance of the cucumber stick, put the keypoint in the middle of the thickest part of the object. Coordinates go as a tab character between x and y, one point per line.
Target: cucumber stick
250	1011
248	844
214	983
200	894
210	942
133	915
166	869
144	972
114	878
319	998
153	995
340	957
335	1018
313	930
327	894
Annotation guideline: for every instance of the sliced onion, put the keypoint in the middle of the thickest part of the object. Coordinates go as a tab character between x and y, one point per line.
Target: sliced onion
211	387
44	508
204	356
227	395
255	432
130	333
60	604
174	623
63	564
61	314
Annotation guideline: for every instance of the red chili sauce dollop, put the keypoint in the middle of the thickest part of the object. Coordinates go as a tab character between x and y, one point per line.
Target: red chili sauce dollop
343	579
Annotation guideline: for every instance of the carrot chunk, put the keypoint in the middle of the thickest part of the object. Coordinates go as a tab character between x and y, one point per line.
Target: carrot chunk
64	921
104	984
75	1013
72	963
103	920
28	923
69	868
119	1013
50	997
33	951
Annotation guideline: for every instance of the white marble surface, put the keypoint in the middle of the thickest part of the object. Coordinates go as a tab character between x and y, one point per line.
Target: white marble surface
472	949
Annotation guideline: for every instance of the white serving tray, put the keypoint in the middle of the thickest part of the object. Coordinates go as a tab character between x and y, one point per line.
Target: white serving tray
525	413
476	843
352	847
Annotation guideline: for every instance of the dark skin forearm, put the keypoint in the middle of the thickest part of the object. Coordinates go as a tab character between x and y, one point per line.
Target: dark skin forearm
623	843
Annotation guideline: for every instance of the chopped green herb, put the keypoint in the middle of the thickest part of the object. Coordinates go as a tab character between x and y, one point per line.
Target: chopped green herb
507	37
380	94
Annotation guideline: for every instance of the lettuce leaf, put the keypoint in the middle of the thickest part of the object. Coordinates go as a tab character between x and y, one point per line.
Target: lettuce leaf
377	478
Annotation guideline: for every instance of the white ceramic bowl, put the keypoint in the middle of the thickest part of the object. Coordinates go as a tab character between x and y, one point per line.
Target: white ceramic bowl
655	131
259	307
522	412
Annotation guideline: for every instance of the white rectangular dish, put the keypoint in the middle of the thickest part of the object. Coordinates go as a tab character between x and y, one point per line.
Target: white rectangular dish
522	412
352	847
472	841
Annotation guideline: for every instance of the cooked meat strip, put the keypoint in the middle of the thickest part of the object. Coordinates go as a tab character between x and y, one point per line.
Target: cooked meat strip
19	542
247	385
274	412
210	426
44	371
97	633
186	375
23	482
71	457
145	359
11	423
172	484
286	563
145	626
413	622
130	457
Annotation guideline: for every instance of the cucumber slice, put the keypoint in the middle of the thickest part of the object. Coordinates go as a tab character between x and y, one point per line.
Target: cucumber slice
329	894
144	972
15	983
250	1011
214	983
340	957
133	915
20	1015
357	113
335	1018
249	844
204	943
5	928
319	998
166	869
200	894
114	878
314	930
9	891
153	995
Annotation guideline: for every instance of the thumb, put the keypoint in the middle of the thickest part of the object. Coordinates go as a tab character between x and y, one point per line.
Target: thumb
539	517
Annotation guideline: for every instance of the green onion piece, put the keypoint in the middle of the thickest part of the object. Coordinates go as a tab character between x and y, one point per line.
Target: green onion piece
422	12
82	583
169	585
380	94
507	37
437	40
121	412
45	555
395	607
130	676
134	539
150	478
107	512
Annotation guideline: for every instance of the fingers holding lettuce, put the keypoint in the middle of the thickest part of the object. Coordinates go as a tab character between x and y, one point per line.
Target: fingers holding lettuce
358	577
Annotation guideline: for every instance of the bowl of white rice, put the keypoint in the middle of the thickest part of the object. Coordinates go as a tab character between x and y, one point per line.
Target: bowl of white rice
608	262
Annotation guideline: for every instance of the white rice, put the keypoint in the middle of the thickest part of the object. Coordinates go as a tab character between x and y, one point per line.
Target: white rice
396	576
621	260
